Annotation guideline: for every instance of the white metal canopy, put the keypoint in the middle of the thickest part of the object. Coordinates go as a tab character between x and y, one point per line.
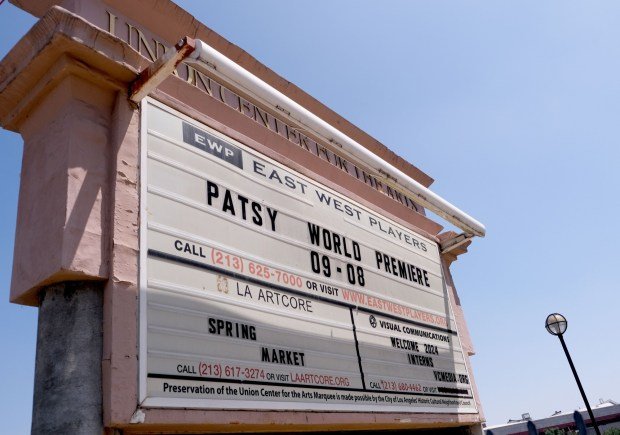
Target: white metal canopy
198	52
225	67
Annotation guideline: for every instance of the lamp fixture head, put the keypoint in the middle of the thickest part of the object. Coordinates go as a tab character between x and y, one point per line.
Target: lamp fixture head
556	324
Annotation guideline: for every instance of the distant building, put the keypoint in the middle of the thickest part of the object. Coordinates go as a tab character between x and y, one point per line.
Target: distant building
607	414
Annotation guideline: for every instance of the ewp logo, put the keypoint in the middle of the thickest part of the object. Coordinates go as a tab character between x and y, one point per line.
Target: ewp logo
212	145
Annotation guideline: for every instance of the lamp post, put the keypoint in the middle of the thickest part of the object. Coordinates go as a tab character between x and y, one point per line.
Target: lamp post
556	324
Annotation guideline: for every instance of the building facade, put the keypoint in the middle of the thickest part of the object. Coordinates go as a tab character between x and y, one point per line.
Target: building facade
606	413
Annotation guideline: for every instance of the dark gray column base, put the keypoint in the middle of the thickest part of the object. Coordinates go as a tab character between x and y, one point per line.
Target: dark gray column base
67	382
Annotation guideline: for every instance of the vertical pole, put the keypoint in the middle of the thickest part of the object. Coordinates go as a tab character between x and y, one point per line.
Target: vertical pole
583	393
581	425
67	380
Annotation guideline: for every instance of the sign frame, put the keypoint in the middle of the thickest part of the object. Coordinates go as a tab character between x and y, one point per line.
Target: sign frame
266	405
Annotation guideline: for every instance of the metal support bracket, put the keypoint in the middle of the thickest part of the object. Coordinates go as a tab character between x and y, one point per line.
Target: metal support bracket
159	70
455	242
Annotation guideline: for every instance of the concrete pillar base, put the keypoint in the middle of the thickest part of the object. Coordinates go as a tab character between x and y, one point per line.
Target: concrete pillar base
67	382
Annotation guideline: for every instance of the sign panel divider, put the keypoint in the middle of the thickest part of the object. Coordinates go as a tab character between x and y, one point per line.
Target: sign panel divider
357	348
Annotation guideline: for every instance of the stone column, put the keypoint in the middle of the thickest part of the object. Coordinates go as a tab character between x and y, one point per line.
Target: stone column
63	87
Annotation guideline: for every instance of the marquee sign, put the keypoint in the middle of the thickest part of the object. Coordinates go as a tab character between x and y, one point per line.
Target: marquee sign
262	289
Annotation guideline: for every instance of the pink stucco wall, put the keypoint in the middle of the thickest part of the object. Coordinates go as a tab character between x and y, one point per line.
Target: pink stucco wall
69	182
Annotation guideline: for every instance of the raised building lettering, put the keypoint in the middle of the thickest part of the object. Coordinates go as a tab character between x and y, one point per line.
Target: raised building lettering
141	43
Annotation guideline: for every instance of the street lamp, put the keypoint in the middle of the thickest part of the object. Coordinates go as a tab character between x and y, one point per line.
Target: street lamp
556	324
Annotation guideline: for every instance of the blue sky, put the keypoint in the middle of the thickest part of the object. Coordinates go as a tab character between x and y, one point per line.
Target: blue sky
511	106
